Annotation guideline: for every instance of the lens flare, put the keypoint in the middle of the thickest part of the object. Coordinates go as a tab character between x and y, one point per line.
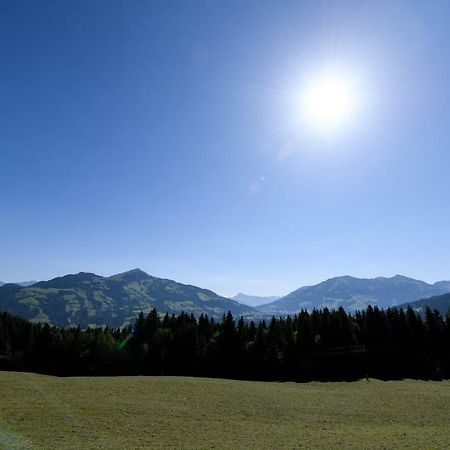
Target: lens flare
134	331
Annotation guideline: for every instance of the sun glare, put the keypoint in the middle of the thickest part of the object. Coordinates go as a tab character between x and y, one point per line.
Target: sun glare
328	103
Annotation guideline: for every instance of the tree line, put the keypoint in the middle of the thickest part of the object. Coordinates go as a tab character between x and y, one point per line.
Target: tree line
317	345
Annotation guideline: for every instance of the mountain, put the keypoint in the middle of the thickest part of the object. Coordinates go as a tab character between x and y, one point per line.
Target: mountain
254	300
444	285
356	293
20	283
87	299
440	302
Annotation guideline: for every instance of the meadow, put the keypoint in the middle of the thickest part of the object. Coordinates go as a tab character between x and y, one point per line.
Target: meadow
45	412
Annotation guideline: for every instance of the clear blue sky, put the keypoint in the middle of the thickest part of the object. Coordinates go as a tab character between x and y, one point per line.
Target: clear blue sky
159	135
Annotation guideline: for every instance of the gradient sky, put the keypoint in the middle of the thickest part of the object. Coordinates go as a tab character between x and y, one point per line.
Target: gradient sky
160	135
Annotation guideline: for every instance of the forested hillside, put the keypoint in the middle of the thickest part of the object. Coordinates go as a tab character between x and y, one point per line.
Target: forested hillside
440	302
321	345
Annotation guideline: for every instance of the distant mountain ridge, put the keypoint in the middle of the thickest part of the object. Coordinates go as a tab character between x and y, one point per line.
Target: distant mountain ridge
20	283
356	293
254	300
87	299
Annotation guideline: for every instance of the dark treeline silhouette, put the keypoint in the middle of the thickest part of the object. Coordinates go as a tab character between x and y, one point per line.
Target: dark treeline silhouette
317	345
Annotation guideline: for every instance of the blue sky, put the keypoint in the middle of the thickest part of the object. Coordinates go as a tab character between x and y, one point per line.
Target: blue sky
160	135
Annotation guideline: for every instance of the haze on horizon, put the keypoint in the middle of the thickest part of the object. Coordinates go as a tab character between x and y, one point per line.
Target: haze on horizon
173	137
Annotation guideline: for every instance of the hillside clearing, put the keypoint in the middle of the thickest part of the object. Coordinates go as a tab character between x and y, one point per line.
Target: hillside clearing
43	412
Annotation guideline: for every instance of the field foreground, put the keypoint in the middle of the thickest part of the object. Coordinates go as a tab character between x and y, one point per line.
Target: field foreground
43	412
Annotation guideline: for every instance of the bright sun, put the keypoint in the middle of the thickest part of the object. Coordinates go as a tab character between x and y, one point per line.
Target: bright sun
328	103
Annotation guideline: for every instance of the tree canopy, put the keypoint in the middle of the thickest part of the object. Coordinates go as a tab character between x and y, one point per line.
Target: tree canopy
316	345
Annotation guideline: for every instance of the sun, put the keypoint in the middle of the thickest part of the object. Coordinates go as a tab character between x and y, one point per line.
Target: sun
328	103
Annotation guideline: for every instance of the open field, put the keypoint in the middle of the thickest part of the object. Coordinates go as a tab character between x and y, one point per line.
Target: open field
43	412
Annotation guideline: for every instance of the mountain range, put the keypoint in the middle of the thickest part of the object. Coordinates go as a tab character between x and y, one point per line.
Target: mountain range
87	299
254	300
356	293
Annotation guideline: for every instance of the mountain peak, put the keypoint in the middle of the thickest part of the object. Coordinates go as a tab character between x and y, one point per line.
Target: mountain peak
342	277
131	275
74	276
254	300
136	271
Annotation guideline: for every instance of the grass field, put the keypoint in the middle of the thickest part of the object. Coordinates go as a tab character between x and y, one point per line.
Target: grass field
42	412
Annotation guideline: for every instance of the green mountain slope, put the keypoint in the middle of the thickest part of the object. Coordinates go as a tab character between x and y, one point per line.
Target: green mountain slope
356	293
439	302
88	299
